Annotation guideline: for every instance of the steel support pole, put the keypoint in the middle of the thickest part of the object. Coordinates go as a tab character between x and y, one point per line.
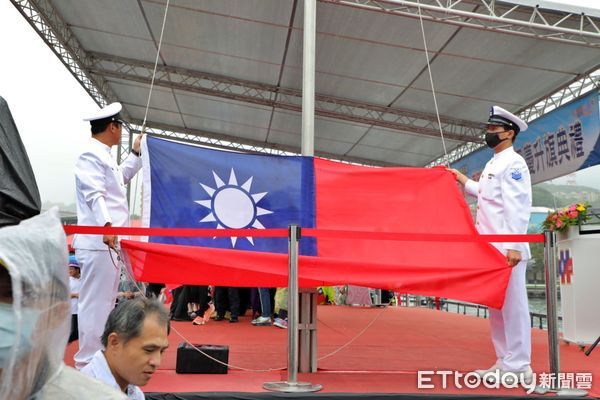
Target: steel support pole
377	297
552	319
308	306
292	385
308	78
307	331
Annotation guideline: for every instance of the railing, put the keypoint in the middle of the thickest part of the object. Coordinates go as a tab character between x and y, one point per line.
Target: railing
541	319
461	308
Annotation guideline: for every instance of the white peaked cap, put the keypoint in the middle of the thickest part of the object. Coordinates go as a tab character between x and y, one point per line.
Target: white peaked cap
499	116
110	110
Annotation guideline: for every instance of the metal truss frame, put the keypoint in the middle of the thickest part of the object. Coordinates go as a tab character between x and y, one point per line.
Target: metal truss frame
44	19
490	15
571	91
495	16
110	66
218	140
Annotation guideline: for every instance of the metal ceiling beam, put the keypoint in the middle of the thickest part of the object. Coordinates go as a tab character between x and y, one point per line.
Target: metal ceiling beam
44	19
228	142
109	66
494	16
49	25
570	91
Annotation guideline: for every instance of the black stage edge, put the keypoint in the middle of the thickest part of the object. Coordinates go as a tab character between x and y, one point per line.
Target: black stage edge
336	396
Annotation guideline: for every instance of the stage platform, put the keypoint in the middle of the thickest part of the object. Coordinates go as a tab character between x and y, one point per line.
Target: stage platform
382	363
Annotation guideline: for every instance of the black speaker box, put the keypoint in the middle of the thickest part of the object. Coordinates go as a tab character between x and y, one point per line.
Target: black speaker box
191	361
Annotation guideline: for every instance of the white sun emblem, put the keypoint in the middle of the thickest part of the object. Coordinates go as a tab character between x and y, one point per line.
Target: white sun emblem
233	206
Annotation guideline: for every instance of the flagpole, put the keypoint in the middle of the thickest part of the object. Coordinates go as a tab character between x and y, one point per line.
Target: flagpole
292	385
308	298
307	147
308	78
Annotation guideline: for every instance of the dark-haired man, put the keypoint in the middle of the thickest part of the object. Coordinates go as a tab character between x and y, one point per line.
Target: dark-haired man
101	201
503	207
134	340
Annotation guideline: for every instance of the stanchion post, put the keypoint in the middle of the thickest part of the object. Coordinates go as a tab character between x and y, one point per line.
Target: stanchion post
292	385
293	309
552	316
552	320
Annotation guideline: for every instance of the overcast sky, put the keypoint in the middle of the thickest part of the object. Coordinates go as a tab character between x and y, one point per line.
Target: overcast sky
48	105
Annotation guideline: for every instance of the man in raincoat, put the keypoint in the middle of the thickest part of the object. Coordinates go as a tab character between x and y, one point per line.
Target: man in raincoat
35	316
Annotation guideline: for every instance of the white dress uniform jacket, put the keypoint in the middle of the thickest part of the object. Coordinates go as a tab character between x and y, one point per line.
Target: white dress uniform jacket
98	368
101	191
101	198
503	207
504	199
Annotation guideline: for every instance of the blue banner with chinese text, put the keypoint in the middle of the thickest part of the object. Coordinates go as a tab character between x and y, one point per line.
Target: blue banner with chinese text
563	141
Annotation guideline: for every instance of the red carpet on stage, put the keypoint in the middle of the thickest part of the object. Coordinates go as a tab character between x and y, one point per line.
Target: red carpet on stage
384	359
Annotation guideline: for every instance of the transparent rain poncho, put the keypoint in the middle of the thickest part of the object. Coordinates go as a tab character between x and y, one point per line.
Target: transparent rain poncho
33	336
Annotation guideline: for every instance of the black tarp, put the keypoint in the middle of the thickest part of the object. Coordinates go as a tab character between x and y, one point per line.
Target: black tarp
19	194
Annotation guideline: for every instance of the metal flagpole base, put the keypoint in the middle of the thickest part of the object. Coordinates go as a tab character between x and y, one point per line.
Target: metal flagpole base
561	392
292	387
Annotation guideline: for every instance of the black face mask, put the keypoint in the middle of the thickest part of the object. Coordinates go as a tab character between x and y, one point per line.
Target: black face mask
492	139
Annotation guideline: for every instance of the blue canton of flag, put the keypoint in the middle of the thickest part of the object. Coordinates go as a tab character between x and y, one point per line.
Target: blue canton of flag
194	187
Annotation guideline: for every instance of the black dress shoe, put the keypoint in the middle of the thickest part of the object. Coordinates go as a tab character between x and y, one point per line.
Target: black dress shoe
233	319
219	318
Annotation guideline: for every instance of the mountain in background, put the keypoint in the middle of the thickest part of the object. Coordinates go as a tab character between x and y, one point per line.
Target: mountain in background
557	196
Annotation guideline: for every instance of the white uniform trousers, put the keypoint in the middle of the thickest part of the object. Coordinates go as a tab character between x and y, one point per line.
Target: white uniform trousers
97	296
511	328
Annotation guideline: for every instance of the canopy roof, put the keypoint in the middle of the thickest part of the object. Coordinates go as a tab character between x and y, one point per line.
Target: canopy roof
231	71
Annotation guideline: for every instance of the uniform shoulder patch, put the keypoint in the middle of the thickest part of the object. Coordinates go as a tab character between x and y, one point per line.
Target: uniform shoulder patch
516	174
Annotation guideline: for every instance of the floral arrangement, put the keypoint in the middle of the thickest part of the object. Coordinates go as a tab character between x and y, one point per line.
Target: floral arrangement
569	216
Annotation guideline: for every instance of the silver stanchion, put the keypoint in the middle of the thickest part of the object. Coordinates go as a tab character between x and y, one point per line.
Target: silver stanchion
292	385
552	318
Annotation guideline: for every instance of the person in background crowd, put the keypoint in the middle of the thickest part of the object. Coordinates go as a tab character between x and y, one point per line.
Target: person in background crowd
225	296
281	301
154	289
74	285
129	289
265	306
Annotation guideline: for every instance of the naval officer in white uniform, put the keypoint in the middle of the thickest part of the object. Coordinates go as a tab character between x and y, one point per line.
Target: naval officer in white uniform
503	207
101	201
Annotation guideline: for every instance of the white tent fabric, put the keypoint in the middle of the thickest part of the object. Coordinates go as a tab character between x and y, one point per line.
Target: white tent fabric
232	70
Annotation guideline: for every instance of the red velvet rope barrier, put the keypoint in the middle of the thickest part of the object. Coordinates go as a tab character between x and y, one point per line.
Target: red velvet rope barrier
311	232
420	237
198	232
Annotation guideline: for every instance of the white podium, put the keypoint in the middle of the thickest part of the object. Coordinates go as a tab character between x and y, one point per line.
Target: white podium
578	265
